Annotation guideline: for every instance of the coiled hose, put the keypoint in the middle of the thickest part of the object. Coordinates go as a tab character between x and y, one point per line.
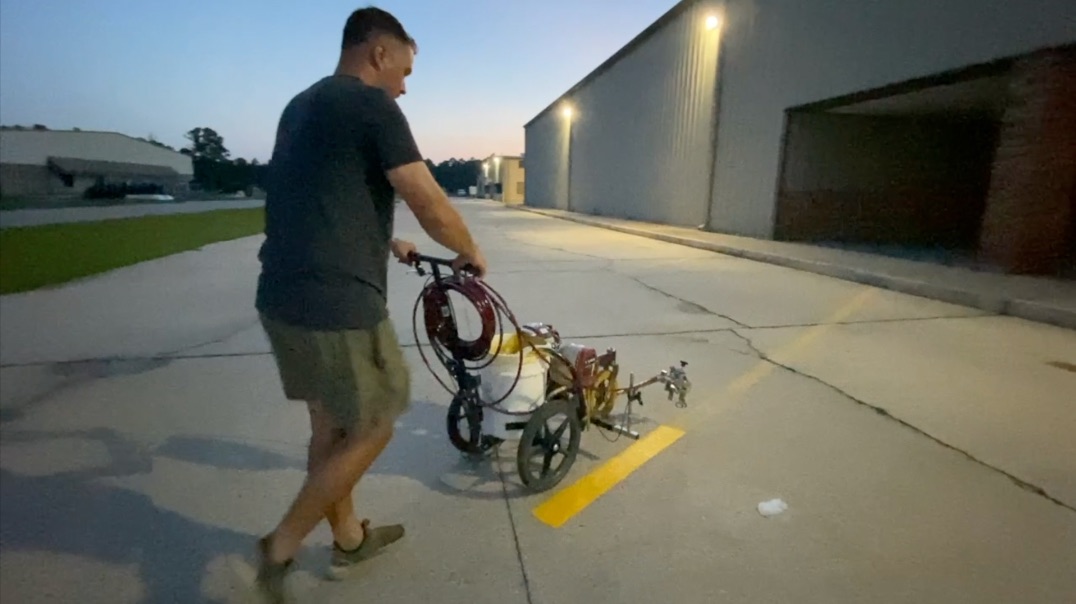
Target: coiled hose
442	331
443	336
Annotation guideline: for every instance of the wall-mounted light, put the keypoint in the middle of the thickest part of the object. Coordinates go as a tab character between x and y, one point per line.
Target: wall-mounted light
566	112
713	22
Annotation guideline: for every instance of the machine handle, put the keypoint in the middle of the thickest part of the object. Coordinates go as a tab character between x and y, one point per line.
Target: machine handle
416	260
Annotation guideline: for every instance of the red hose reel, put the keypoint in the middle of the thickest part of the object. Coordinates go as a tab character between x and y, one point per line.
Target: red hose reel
460	356
441	327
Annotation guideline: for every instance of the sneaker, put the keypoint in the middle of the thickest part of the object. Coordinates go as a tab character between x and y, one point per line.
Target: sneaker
271	575
374	539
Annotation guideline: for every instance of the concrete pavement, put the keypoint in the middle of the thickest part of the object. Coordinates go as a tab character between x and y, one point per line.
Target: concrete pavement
37	217
924	449
1047	300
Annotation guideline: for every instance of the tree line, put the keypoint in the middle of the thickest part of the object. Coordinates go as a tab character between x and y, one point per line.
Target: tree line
215	170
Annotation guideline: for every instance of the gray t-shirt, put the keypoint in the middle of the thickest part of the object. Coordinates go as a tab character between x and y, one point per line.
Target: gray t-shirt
329	206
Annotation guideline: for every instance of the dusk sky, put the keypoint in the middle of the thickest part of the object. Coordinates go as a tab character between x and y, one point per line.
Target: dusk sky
156	67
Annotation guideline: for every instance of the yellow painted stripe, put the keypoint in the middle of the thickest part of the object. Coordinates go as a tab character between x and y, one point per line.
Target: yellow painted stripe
841	314
755	375
561	506
568	502
783	354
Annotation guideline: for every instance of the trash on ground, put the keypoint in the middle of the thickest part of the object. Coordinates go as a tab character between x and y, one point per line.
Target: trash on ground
772	507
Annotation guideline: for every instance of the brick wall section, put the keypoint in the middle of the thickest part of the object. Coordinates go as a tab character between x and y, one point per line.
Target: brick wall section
1030	202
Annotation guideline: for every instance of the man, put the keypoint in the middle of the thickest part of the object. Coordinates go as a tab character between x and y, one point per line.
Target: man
343	150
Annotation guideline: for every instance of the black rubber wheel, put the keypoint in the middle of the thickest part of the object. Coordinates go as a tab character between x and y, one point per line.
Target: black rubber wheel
464	425
543	440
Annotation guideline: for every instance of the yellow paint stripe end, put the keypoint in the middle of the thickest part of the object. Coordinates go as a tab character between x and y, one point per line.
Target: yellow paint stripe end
568	502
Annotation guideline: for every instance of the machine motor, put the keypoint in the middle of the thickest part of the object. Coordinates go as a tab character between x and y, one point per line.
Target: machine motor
583	360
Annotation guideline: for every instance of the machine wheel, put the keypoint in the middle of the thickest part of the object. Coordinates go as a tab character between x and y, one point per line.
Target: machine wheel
543	444
464	425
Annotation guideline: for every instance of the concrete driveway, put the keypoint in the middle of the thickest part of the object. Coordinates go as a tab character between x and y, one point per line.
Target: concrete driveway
37	217
924	450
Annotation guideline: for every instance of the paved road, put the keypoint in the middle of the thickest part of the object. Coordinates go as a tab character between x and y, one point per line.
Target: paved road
22	218
924	450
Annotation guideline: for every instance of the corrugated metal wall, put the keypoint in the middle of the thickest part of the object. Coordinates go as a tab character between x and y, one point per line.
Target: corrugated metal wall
546	162
784	53
641	132
34	147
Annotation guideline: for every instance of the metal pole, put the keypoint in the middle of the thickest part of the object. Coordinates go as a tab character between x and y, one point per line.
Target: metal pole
715	122
569	178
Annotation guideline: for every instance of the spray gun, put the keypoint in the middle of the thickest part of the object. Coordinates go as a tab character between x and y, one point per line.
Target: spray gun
677	383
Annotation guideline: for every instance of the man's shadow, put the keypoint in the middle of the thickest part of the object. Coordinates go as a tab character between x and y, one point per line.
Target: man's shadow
75	513
78	513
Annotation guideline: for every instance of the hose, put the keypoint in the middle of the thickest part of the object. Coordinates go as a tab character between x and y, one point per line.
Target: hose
443	335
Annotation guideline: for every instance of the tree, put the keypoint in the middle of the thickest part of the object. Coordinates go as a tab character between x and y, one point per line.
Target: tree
206	144
455	174
151	139
213	168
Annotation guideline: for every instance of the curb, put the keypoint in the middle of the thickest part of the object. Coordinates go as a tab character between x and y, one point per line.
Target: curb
996	304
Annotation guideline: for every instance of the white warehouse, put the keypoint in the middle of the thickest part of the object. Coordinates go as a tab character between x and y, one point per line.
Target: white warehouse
915	123
64	163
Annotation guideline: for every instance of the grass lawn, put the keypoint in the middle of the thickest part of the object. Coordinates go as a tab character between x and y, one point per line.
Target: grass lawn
38	256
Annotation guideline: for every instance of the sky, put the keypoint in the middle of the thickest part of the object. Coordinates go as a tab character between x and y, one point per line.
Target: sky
162	67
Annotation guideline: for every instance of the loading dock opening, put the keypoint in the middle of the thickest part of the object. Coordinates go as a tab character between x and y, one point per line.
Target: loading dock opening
905	173
975	167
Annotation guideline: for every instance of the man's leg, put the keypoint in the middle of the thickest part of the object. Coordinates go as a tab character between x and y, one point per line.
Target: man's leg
369	387
327	486
323	492
325	438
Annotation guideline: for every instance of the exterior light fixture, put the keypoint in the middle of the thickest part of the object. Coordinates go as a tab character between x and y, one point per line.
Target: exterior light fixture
712	22
566	112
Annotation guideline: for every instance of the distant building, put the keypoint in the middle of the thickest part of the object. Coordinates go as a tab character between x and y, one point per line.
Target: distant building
502	178
912	124
62	163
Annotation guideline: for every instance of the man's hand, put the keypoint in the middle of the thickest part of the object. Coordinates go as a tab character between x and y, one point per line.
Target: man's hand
402	250
476	261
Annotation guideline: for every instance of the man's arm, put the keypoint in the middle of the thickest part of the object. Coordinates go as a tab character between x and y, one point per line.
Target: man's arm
411	178
431	207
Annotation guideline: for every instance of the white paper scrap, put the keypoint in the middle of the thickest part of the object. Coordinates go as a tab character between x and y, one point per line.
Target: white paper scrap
772	507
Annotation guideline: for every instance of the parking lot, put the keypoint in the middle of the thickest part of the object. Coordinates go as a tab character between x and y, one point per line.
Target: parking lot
924	450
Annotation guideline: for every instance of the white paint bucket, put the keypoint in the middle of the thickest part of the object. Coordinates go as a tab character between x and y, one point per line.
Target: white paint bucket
523	400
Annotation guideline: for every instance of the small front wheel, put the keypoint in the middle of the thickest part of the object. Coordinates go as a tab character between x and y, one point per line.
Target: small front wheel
464	424
549	444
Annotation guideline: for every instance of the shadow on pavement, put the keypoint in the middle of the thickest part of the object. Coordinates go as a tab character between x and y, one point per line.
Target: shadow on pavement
421	451
77	513
73	513
227	455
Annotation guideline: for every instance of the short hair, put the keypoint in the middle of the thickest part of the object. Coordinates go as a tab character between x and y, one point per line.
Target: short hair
365	23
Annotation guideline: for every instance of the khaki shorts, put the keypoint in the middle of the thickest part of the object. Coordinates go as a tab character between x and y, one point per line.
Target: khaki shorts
359	376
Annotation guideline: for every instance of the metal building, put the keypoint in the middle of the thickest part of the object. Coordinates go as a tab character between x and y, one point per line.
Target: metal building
62	163
501	178
917	123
